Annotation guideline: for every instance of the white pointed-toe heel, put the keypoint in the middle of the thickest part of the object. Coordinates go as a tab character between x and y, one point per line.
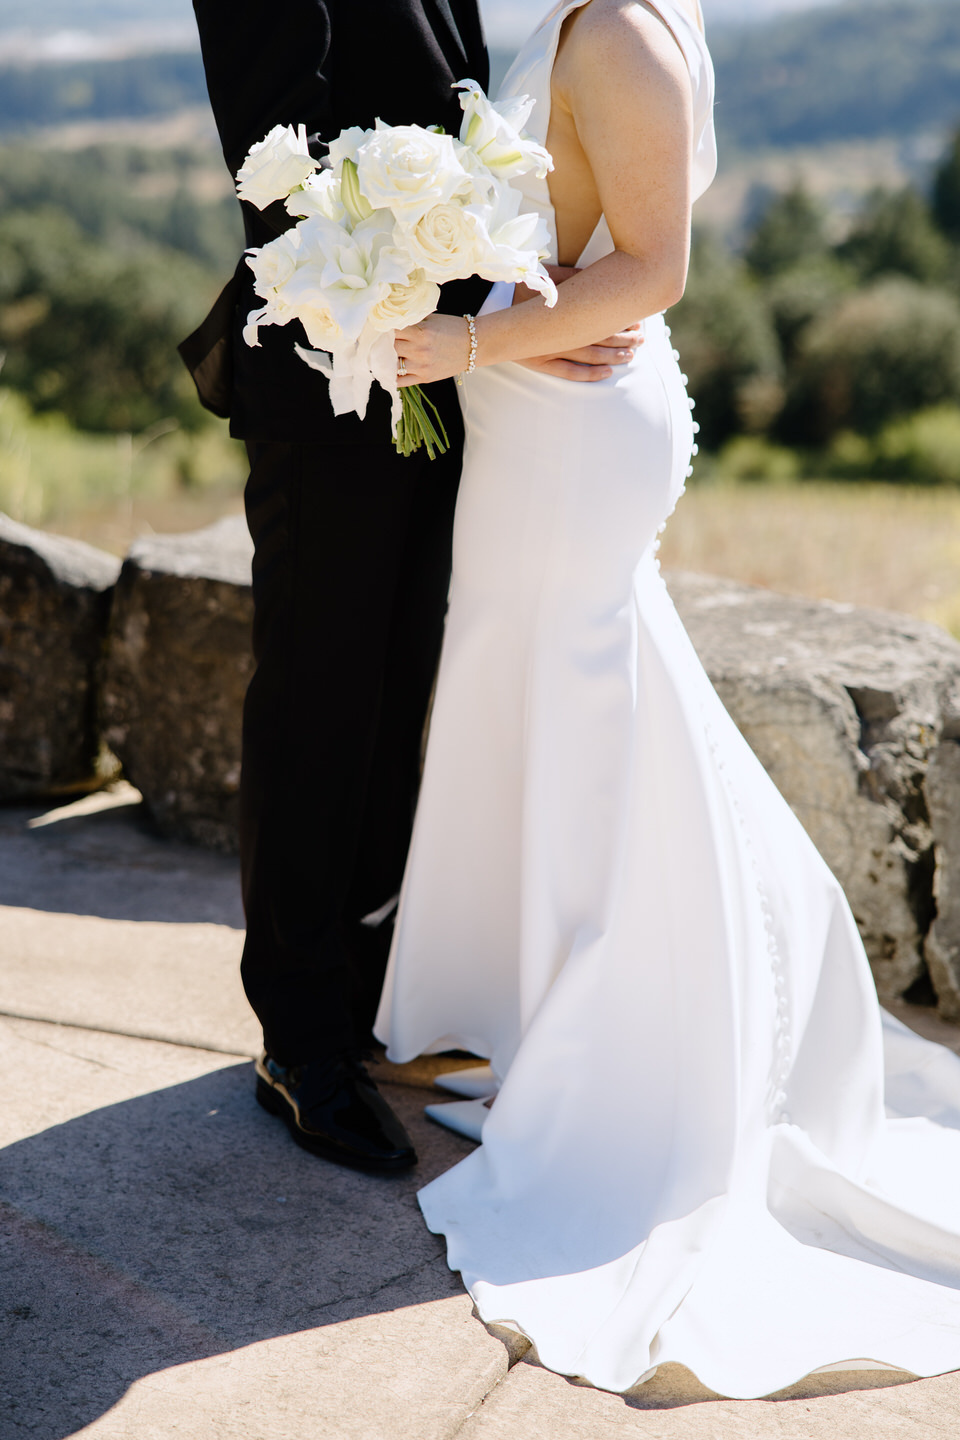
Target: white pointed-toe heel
477	1083
463	1117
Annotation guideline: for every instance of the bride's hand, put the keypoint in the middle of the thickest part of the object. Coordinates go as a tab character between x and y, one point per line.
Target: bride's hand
433	350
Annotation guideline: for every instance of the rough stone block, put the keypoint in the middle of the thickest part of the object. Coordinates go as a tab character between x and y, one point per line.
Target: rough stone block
54	603
179	663
855	714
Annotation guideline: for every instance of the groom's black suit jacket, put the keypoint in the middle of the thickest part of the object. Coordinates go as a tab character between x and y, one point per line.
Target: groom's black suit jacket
327	64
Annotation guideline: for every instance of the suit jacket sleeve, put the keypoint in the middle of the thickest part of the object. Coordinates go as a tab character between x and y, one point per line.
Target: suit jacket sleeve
241	39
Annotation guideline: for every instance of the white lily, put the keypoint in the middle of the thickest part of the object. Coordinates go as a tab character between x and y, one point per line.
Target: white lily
495	133
347	145
353	271
355	205
273	266
481	181
510	246
319	195
351	368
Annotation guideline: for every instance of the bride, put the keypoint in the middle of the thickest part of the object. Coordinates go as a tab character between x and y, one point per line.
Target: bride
689	1158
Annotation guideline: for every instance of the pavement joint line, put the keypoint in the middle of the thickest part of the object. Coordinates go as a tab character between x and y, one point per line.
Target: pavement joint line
512	1361
127	1034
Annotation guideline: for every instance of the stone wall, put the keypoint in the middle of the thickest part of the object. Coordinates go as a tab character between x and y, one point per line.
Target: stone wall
54	605
854	713
178	666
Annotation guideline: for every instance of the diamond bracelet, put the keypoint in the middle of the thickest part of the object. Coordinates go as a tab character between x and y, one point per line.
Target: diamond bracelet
472	362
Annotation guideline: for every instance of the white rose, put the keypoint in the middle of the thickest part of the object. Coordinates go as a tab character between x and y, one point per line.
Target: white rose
314	313
305	297
276	165
495	133
408	170
443	243
320	196
406	304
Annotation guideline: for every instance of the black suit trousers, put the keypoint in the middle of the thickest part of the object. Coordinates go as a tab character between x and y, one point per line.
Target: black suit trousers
350	577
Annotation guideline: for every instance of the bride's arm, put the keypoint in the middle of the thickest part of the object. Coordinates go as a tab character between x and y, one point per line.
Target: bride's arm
625	82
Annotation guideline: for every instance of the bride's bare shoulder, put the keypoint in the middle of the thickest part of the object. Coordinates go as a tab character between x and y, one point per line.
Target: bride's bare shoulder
622	41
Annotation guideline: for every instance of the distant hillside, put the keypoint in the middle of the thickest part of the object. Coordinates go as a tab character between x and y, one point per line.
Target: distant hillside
89	14
139	86
508	21
850	71
856	71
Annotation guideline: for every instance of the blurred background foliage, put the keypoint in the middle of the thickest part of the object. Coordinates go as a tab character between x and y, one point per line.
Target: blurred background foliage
813	354
109	256
107	259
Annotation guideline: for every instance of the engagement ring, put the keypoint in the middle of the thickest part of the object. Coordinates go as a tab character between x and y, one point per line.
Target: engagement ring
401	366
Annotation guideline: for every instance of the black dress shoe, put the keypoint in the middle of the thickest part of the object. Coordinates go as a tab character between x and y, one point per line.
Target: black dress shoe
333	1109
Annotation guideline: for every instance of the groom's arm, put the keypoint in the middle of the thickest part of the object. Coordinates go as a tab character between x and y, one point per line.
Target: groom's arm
267	63
591	362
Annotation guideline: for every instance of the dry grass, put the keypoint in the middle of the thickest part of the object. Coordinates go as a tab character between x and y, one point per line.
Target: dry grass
114	525
892	546
896	547
108	489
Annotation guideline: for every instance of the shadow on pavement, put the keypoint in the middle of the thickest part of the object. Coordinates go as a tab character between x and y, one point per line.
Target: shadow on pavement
113	864
183	1224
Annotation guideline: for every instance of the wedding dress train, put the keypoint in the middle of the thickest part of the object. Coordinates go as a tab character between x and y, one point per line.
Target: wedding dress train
709	1146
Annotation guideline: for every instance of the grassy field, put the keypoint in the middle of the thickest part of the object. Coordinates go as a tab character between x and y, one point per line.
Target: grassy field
892	546
107	489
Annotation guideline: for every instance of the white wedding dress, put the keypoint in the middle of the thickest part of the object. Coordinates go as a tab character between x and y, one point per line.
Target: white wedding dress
689	1159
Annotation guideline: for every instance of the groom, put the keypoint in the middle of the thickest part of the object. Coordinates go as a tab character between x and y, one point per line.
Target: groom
350	574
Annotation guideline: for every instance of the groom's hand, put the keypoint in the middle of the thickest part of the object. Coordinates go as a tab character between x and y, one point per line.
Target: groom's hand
591	362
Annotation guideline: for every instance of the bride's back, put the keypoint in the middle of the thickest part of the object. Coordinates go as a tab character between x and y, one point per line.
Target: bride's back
583	86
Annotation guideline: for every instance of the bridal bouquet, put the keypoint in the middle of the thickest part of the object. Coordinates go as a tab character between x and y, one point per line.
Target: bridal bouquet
400	210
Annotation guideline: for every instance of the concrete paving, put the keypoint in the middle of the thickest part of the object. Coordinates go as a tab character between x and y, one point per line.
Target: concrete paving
172	1265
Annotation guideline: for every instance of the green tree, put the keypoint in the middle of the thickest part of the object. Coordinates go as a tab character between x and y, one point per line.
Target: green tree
727	344
797	297
91	332
886	350
895	234
102	188
790	231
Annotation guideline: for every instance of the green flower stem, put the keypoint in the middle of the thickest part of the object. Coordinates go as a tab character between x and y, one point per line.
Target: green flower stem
416	428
